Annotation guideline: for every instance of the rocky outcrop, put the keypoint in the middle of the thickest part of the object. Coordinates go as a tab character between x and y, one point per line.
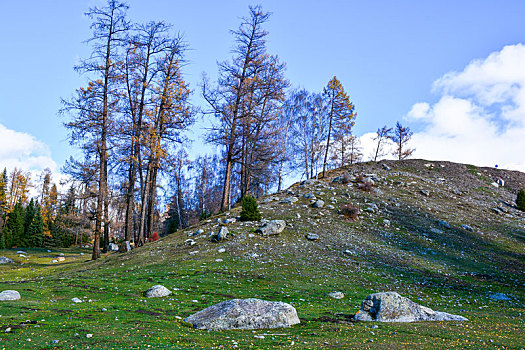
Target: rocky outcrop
157	291
273	227
392	307
245	314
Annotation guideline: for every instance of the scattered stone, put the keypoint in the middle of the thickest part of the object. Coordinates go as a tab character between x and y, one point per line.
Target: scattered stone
436	231
229	221
124	247
444	224
245	314
89	335
198	232
289	200
221	236
318	204
76	300
190	242
61	258
273	227
54	261
157	291
55	341
467	227
312	237
104	309
221	250
386	167
500	182
425	193
495	184
309	182
499	297
336	295
259	336
330	206
309	196
8	329
113	247
4	260
386	222
9	295
61	254
219	260
392	307
21	252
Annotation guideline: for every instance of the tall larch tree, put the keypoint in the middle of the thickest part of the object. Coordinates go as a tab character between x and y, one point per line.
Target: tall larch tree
340	113
383	136
94	107
402	135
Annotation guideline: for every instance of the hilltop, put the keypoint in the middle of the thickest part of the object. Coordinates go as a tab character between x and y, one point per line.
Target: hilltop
443	234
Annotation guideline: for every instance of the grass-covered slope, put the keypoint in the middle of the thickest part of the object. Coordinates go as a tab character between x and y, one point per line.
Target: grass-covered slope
400	243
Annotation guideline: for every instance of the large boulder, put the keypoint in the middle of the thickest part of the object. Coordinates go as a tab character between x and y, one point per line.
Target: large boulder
157	291
9	295
245	314
392	307
125	247
273	227
221	236
4	260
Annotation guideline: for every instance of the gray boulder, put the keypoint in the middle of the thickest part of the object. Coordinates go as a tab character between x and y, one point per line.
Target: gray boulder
9	295
467	227
113	247
4	260
157	291
289	200
245	314
392	307
336	295
309	196
273	227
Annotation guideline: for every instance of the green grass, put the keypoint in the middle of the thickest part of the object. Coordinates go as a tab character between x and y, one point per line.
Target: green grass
452	270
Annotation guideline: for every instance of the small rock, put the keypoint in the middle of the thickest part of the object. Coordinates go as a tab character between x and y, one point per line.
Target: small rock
386	222
318	204
89	335
259	336
104	309
190	242
223	233
9	295
54	341
444	224
330	206
500	182
54	261
467	228
8	329
312	237
61	254
61	258
309	196
289	200
157	291
76	300
198	232
386	167
4	260
425	193
495	184
21	252
336	295
113	247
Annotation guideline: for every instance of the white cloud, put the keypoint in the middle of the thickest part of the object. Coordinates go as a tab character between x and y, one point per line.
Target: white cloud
480	116
24	151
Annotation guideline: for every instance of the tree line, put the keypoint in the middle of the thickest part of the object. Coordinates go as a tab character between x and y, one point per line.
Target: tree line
132	117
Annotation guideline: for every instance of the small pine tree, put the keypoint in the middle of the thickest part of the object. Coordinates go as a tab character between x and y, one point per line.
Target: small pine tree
520	200
250	212
36	229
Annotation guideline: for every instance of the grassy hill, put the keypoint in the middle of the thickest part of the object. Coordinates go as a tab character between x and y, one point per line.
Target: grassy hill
439	233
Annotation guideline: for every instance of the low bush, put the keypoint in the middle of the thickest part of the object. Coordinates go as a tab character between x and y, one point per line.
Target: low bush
350	211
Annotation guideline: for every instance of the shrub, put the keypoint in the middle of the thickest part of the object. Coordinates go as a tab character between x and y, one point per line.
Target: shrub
249	212
365	186
350	211
346	178
520	200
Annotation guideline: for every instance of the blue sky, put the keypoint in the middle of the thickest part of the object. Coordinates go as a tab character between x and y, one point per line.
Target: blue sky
389	55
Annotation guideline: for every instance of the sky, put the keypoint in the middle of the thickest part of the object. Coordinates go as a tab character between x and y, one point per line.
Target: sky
453	71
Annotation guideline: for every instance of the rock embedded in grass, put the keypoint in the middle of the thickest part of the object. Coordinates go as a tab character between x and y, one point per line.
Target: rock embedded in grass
312	236
318	204
76	300
245	314
4	260
157	291
392	307
273	227
336	295
9	295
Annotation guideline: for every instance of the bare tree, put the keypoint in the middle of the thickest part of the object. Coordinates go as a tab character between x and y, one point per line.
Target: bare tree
402	134
382	136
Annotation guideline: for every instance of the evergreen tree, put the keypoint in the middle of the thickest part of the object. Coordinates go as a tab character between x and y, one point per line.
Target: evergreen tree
250	212
35	234
28	220
15	226
520	200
